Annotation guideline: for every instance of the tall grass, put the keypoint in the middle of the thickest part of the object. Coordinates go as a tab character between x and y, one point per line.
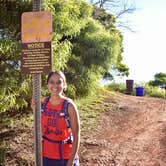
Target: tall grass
118	87
91	107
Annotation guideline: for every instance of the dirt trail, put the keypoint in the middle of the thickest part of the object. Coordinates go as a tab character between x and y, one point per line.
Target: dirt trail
132	133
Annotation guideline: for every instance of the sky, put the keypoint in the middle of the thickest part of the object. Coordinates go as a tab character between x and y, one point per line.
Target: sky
145	50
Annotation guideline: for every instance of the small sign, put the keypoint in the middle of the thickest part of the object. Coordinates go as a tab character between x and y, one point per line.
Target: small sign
36	58
36	27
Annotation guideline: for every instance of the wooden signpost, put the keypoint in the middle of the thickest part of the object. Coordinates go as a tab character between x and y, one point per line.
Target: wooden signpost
36	34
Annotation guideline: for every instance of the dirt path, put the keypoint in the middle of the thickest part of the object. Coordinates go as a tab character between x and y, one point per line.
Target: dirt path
132	133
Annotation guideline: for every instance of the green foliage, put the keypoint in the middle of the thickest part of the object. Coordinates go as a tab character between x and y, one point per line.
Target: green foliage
118	70
10	13
154	91
106	19
68	16
61	54
118	87
95	51
83	79
108	76
82	47
14	87
159	80
14	96
123	69
71	91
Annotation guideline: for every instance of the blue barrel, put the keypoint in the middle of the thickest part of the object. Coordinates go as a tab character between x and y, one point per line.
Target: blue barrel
139	91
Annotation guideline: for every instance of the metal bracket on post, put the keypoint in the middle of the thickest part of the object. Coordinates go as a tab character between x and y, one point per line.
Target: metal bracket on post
37	111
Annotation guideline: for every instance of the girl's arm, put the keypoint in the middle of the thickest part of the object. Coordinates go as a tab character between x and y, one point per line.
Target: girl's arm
75	127
33	104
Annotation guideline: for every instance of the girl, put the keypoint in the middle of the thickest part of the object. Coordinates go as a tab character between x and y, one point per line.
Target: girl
60	124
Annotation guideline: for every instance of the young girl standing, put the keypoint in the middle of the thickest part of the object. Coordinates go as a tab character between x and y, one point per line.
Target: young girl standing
60	124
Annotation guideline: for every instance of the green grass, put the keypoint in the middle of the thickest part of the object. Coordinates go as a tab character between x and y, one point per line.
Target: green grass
118	87
91	108
152	91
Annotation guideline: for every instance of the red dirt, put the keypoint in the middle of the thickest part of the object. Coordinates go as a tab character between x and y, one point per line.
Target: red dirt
133	133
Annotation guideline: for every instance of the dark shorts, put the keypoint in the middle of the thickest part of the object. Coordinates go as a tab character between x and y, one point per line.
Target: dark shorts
54	162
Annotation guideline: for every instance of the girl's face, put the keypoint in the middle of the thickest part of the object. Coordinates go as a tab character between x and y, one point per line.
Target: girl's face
55	84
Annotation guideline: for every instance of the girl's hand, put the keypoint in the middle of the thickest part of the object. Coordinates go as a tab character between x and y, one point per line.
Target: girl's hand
70	162
33	104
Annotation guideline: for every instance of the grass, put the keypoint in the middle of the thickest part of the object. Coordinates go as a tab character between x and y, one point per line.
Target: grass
118	87
91	108
152	91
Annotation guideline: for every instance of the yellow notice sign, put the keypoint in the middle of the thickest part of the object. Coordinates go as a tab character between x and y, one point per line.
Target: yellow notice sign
36	27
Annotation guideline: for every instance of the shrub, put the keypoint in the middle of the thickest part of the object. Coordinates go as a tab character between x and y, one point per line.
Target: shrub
119	87
154	91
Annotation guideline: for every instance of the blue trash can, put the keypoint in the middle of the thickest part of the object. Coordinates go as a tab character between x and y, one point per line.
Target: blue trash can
139	91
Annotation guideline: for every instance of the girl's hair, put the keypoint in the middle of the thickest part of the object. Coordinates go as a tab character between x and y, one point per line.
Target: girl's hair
61	74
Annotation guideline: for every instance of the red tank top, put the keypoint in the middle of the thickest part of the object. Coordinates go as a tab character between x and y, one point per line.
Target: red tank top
54	128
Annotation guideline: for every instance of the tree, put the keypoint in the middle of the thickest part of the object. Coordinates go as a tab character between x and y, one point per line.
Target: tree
108	21
82	47
118	8
159	79
68	18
